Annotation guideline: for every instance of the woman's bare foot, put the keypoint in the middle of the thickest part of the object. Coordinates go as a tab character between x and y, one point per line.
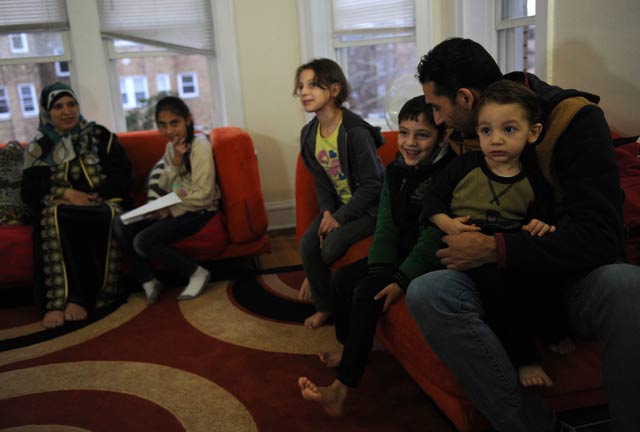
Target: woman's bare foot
304	295
534	376
317	320
331	398
53	319
330	359
74	312
564	347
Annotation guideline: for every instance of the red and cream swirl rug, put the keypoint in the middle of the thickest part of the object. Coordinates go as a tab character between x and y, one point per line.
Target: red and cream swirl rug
228	361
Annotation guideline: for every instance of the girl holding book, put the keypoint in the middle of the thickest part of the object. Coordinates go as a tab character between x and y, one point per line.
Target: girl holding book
187	169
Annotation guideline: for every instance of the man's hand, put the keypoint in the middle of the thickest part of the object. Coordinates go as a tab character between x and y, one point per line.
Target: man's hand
468	250
391	294
76	197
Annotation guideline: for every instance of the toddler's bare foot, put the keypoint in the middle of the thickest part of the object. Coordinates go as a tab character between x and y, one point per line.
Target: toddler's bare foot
53	319
564	347
316	320
74	312
304	295
331	398
534	376
331	359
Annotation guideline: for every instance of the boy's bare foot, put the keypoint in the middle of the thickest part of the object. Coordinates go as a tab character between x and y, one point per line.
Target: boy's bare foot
317	320
304	295
53	319
74	312
564	347
331	398
534	376
330	359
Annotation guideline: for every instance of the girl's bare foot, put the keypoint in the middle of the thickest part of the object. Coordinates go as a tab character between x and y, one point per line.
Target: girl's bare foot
304	295
74	312
534	376
330	359
53	319
331	398
564	347
316	320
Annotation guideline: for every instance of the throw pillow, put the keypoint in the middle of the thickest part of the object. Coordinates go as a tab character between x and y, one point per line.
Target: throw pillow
12	209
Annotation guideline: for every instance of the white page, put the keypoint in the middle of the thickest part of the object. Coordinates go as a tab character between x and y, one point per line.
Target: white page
147	209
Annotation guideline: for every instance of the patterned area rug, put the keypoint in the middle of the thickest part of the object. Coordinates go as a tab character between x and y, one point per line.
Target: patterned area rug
226	361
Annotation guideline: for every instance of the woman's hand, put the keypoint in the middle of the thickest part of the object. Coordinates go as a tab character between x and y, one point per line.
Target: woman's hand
79	198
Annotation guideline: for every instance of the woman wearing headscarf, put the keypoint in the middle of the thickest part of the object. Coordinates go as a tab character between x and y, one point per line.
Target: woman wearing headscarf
76	179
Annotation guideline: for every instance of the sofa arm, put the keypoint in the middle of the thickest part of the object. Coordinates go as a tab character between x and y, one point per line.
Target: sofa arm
306	200
239	180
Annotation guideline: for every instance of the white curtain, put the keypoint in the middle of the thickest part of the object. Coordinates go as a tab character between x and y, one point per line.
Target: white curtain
25	15
185	25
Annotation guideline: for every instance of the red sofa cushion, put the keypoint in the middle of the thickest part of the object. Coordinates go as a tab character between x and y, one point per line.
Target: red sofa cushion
16	254
243	206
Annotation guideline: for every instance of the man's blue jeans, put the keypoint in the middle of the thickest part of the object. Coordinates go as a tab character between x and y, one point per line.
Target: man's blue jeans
604	305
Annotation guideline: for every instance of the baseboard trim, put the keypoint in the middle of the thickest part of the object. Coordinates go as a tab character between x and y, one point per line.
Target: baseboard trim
282	214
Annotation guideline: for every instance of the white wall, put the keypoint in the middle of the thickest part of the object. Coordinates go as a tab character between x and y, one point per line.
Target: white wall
594	46
268	54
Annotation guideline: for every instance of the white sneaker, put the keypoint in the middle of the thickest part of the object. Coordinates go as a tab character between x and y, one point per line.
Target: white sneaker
197	282
152	289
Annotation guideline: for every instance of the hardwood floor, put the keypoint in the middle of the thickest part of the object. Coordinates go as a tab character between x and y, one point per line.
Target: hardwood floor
284	250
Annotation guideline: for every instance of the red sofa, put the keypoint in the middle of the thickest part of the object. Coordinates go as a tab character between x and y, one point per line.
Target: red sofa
239	229
577	377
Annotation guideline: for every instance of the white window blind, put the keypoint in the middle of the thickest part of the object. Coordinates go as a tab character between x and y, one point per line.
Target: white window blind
28	15
372	15
178	25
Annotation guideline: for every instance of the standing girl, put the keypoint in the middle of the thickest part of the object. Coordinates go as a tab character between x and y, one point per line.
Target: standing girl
187	168
339	149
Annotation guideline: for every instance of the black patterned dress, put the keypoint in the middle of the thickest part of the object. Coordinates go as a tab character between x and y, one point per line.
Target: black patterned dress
75	256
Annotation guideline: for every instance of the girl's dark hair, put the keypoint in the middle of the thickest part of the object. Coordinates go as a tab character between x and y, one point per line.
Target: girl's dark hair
510	92
177	106
327	72
458	63
412	109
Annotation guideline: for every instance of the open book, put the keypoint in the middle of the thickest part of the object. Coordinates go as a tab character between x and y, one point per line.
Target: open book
146	210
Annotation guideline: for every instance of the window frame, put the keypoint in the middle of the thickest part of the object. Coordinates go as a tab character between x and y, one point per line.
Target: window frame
167	79
24	41
60	72
7	100
130	90
196	93
33	96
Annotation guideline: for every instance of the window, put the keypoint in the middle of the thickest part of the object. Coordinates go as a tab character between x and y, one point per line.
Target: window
5	108
18	43
27	94
134	91
374	41
188	85
28	60
62	69
520	28
163	83
180	40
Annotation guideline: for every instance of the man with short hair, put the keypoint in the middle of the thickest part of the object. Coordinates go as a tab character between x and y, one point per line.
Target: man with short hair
584	257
